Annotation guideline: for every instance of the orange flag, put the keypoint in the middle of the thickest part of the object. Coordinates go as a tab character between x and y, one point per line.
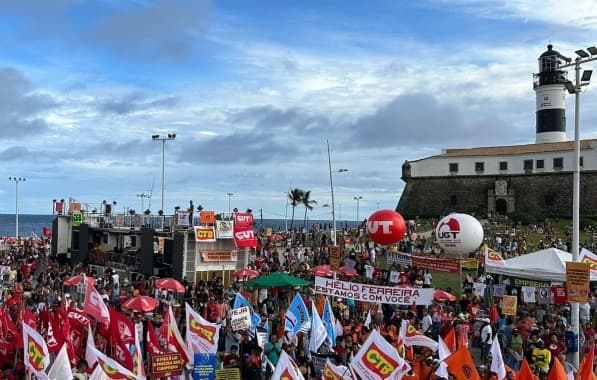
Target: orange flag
557	371
525	372
585	370
461	365
450	339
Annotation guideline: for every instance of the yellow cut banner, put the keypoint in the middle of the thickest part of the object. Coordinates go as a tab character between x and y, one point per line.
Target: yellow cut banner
578	276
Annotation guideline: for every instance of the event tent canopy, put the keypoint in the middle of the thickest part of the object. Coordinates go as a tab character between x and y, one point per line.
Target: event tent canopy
275	280
547	265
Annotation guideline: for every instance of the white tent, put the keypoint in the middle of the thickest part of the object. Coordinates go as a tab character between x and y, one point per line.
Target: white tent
547	265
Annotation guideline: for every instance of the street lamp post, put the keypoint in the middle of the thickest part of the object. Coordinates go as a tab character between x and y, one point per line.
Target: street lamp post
16	180
142	196
229	196
576	88
358	199
332	190
169	137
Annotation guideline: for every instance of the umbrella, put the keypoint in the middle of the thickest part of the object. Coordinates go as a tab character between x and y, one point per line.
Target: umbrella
140	303
322	270
347	272
442	295
275	280
277	237
246	272
76	280
170	284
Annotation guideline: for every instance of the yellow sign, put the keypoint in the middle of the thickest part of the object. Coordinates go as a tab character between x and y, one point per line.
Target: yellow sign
472	264
228	374
578	276
205	234
510	304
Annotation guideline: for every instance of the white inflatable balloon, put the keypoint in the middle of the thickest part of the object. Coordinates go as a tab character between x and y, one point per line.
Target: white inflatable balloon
459	233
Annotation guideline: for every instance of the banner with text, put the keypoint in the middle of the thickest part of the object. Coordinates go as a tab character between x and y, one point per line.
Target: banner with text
437	264
334	257
241	318
509	305
373	293
205	234
578	277
244	237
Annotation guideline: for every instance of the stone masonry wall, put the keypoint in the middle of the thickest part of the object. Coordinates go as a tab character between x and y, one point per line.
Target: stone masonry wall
533	194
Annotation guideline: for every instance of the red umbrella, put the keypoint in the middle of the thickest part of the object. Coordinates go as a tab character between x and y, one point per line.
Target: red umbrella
322	270
347	272
442	295
246	272
277	237
140	303
76	280
170	284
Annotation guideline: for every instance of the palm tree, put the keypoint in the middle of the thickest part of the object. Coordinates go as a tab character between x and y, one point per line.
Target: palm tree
295	196
307	202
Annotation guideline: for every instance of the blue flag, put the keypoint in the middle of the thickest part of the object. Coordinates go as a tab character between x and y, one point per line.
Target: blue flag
296	316
329	321
241	301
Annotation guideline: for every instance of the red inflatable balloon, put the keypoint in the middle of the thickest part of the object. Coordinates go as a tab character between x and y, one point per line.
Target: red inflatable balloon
386	227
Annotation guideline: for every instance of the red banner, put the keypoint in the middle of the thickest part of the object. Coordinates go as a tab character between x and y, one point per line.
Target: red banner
244	237
436	264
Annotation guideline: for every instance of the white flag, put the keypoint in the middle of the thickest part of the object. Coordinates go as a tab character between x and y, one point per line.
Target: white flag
36	355
90	358
497	362
287	369
368	319
318	332
443	352
60	369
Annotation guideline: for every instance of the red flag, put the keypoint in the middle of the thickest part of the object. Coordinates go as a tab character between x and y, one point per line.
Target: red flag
450	339
122	353
77	318
585	370
55	338
29	318
94	305
122	326
461	365
525	372
557	371
47	232
153	344
44	319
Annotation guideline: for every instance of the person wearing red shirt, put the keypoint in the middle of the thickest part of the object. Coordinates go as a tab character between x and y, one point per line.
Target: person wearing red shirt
555	346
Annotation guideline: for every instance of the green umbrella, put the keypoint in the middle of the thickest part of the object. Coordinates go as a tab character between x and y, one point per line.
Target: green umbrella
275	280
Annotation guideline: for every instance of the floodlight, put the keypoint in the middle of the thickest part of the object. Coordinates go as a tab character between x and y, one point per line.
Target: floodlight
592	50
581	53
586	75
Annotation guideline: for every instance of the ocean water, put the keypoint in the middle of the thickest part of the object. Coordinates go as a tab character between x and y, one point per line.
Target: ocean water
35	223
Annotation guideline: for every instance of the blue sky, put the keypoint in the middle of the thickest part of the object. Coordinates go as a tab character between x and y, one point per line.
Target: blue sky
254	88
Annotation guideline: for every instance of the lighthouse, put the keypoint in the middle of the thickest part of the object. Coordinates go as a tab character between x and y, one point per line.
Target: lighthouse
550	94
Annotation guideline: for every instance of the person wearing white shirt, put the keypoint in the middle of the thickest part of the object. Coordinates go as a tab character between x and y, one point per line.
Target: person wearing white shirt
486	338
426	322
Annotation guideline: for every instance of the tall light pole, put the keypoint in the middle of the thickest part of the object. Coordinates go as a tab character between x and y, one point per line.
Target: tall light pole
229	196
332	189
142	196
576	88
358	199
169	137
16	180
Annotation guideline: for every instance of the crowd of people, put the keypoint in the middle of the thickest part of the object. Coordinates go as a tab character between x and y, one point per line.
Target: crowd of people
33	283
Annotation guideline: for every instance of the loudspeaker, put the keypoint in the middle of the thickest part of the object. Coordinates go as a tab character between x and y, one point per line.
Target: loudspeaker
146	264
55	237
83	242
177	256
168	249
